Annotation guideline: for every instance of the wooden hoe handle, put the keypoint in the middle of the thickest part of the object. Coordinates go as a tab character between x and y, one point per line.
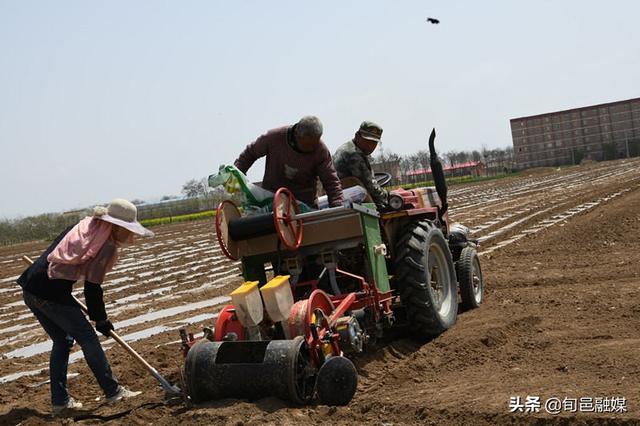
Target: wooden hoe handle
163	382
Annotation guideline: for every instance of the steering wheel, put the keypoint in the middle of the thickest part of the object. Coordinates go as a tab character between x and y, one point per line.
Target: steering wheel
288	228
384	179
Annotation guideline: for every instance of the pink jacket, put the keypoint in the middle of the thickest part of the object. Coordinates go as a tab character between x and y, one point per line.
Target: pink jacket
87	251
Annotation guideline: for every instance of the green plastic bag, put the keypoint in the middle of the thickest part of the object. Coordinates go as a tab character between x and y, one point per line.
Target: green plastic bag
255	199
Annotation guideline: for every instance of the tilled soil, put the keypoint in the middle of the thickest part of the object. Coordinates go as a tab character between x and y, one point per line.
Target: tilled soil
561	319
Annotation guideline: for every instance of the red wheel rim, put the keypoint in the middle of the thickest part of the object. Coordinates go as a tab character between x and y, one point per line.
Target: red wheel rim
316	309
283	221
319	308
219	232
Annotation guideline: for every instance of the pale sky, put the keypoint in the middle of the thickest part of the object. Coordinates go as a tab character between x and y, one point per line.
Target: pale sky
131	99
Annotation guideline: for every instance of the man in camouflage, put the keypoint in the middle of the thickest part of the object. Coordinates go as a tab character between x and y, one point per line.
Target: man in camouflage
351	160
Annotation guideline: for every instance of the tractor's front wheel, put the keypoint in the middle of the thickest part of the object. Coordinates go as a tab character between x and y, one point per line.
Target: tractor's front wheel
426	280
470	278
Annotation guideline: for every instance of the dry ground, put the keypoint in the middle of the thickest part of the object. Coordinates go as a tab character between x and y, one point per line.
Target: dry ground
561	256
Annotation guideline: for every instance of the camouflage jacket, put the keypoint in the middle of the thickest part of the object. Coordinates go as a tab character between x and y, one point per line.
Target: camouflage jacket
350	161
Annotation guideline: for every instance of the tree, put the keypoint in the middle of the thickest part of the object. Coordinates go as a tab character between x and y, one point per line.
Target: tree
392	156
423	159
194	188
405	168
509	156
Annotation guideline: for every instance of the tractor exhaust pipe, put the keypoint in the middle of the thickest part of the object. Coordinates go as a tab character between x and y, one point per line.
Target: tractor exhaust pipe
438	174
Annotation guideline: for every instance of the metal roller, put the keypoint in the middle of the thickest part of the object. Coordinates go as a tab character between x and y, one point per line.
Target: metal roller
250	370
252	227
231	227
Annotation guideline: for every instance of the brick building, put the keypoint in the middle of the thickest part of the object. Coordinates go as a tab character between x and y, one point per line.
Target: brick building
597	132
390	166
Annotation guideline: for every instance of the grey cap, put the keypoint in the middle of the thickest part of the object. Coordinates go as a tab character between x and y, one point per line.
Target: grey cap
370	131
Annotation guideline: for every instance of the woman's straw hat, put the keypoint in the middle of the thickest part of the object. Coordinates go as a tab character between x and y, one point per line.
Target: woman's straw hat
122	213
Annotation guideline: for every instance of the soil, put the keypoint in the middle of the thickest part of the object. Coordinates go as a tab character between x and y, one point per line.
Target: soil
560	252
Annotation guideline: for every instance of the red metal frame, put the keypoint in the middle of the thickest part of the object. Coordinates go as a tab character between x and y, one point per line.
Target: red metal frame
410	198
367	296
228	322
318	302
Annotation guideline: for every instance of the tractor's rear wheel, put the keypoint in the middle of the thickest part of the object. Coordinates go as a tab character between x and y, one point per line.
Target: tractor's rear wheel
470	278
426	280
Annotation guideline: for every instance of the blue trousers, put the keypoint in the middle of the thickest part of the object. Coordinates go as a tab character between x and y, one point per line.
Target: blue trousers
64	324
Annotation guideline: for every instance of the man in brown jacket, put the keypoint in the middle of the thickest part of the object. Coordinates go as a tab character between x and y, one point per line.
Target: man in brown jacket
296	158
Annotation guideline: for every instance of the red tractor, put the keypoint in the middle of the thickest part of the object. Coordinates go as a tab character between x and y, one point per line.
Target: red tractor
322	286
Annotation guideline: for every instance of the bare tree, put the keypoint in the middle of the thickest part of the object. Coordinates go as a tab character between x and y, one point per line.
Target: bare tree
392	156
509	157
405	167
423	159
194	188
451	158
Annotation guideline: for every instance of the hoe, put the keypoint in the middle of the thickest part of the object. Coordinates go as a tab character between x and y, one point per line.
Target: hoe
342	278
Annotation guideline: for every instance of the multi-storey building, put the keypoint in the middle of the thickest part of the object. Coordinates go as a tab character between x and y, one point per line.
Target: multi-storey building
597	132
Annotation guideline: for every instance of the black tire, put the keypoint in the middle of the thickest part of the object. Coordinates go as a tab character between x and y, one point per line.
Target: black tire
337	381
470	278
426	280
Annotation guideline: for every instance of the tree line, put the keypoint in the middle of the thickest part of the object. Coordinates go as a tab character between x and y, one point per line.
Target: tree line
496	161
197	196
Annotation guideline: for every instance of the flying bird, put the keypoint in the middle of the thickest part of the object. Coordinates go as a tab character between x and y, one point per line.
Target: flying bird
433	20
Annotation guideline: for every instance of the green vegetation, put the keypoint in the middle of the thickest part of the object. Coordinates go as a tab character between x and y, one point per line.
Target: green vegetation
176	219
42	227
48	226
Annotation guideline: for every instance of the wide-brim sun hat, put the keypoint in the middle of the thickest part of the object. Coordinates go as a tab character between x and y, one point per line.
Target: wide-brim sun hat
122	213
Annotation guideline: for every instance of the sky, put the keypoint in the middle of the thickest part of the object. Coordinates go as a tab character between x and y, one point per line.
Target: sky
100	100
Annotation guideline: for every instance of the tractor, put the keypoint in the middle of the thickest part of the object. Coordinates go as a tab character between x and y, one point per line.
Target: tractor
322	286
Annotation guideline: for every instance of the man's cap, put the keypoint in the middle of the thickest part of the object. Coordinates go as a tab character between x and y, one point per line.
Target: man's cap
370	131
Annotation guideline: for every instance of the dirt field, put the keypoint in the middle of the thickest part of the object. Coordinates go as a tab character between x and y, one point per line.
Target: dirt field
560	252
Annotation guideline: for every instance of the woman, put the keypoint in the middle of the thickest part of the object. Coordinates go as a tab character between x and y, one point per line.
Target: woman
86	251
